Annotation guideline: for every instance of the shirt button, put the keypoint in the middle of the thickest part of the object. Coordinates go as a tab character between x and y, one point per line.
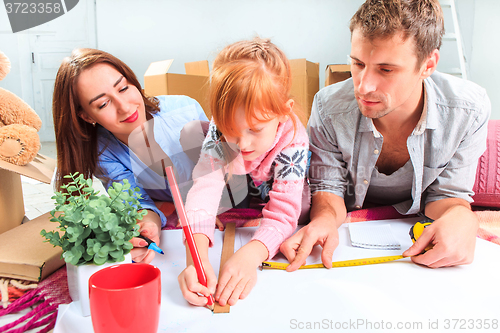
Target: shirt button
376	151
365	181
357	207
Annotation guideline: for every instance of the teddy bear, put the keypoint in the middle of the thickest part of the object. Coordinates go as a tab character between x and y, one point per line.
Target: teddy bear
19	124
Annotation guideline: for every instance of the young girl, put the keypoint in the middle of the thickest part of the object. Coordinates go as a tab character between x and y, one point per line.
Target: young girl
101	118
252	109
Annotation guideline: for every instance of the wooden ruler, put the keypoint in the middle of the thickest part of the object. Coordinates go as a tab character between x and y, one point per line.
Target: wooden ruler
227	252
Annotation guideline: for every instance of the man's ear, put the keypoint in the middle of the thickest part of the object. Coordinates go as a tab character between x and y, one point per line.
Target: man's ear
430	64
289	108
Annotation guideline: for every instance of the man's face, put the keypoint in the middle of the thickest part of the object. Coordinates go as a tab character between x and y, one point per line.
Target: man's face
384	74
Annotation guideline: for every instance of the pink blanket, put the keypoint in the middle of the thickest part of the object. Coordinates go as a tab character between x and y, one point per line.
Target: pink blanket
489	220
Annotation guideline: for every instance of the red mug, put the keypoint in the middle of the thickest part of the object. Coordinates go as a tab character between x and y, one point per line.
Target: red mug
125	298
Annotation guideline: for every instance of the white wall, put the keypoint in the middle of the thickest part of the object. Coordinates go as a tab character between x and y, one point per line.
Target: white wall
484	64
140	32
317	30
13	46
192	30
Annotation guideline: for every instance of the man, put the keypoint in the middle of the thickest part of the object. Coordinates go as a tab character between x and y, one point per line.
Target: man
397	133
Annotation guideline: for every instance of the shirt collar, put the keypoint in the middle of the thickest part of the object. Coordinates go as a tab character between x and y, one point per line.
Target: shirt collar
422	123
428	119
432	121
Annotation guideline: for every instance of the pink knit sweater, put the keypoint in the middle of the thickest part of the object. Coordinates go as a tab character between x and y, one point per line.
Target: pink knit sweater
286	161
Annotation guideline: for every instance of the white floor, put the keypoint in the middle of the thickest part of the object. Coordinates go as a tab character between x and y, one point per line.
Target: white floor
37	195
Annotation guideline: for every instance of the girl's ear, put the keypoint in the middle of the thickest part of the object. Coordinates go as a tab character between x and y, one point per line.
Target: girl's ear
289	108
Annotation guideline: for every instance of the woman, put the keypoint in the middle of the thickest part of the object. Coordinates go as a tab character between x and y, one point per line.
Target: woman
106	127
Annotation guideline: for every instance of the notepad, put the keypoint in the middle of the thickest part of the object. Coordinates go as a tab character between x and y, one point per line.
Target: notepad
373	236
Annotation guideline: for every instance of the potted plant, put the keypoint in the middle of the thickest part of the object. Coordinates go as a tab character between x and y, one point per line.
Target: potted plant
96	230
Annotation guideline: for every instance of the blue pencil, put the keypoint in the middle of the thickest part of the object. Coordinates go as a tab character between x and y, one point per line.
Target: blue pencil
151	245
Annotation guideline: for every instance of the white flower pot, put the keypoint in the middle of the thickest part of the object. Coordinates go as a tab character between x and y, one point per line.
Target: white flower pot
78	282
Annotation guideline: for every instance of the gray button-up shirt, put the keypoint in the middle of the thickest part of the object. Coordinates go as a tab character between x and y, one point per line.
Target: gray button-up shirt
345	145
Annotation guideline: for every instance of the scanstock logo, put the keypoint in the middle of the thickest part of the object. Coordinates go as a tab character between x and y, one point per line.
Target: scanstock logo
25	14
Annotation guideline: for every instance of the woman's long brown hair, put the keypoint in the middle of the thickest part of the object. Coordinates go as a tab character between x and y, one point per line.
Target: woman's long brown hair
76	139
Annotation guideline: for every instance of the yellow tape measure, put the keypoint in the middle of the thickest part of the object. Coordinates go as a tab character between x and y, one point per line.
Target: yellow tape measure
415	232
344	263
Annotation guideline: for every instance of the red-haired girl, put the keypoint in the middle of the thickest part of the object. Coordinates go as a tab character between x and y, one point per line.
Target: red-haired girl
252	111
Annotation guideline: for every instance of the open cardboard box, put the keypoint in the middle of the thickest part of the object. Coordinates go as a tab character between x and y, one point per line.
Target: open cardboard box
11	191
305	84
337	73
157	81
195	83
23	252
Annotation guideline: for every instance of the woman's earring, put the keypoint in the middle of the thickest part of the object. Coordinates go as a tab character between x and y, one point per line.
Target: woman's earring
93	124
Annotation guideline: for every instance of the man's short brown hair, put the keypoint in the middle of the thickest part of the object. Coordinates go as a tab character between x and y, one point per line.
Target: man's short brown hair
421	19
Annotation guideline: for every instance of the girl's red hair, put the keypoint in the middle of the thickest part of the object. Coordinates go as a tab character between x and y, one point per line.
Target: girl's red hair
251	74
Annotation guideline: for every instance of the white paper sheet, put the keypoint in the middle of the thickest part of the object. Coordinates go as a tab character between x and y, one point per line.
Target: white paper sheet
393	293
377	237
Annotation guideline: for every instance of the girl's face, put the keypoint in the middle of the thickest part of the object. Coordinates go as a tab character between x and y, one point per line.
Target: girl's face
254	142
107	98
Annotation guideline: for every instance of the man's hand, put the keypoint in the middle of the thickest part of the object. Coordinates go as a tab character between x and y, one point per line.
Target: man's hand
452	235
328	212
298	247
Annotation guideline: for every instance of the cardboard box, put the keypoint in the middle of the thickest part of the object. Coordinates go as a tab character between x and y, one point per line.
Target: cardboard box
305	84
157	81
337	73
11	192
24	254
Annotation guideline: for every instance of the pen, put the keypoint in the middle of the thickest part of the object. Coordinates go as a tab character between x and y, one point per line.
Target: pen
151	245
179	206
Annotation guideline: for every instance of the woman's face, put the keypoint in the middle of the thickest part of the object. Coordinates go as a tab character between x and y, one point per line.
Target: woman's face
107	98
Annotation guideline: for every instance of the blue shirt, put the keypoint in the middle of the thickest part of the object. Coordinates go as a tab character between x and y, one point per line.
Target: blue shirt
118	161
345	145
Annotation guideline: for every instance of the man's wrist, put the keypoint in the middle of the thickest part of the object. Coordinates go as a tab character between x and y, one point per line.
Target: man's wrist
328	206
439	208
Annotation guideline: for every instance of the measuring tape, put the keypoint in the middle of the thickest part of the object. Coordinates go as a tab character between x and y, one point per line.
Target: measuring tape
345	263
415	232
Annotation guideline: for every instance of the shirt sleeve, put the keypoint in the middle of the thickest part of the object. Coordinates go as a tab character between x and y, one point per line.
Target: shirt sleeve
457	178
203	198
327	171
112	170
282	212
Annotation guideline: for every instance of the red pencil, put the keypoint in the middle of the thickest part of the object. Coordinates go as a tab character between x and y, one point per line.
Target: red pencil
179	206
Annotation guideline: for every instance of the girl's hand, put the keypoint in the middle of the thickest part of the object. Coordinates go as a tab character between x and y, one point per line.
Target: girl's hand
218	224
150	226
192	290
239	274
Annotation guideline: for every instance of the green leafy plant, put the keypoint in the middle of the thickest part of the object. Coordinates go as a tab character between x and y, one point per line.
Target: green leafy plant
95	228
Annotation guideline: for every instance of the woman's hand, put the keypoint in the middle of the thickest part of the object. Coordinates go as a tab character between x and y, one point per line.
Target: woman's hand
150	226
